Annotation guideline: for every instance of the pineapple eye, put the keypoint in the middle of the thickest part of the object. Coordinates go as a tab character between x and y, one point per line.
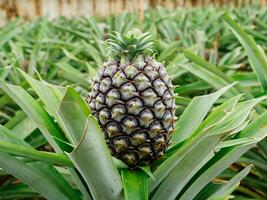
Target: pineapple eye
112	149
150	97
159	109
100	98
155	128
113	94
113	97
167	80
129	123
96	86
128	91
167	116
160	153
118	112
105	85
92	94
121	143
145	150
119	78
142	82
168	99
113	129
139	137
162	72
101	71
99	101
151	72
139	63
134	106
104	115
130	157
159	86
110	70
146	117
92	104
169	130
156	64
159	142
167	119
131	71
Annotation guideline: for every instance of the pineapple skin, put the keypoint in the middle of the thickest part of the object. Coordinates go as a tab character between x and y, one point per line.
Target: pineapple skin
134	104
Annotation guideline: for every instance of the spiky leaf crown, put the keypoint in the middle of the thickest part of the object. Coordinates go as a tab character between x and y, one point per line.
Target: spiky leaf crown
130	45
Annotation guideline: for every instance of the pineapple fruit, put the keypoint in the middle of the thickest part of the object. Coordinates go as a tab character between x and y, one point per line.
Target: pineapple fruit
133	100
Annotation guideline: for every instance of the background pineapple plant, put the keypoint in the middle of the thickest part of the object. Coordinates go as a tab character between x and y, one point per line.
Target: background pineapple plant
205	141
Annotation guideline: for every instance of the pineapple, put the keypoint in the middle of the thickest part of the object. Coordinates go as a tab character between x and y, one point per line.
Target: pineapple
133	100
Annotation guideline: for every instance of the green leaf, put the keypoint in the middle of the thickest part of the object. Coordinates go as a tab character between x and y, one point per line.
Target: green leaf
228	187
71	30
197	109
213	169
45	123
52	98
135	184
214	80
189	163
147	170
237	117
71	56
168	51
177	154
73	112
175	172
237	142
215	77
68	72
227	156
10	31
11	144
46	180
50	95
36	48
93	24
91	157
18	191
217	115
220	112
8	136
192	87
24	128
27	152
254	52
211	74
93	52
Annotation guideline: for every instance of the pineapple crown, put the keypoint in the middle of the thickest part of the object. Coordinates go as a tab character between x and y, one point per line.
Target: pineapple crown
129	46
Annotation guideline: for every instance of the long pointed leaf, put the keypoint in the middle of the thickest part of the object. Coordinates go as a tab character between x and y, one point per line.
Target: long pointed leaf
45	123
200	106
256	55
91	156
93	160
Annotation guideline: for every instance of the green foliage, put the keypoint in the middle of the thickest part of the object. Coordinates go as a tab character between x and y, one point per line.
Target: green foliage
129	46
46	69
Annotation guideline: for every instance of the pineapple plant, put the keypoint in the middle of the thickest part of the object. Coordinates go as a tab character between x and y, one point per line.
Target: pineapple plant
81	166
132	97
211	133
